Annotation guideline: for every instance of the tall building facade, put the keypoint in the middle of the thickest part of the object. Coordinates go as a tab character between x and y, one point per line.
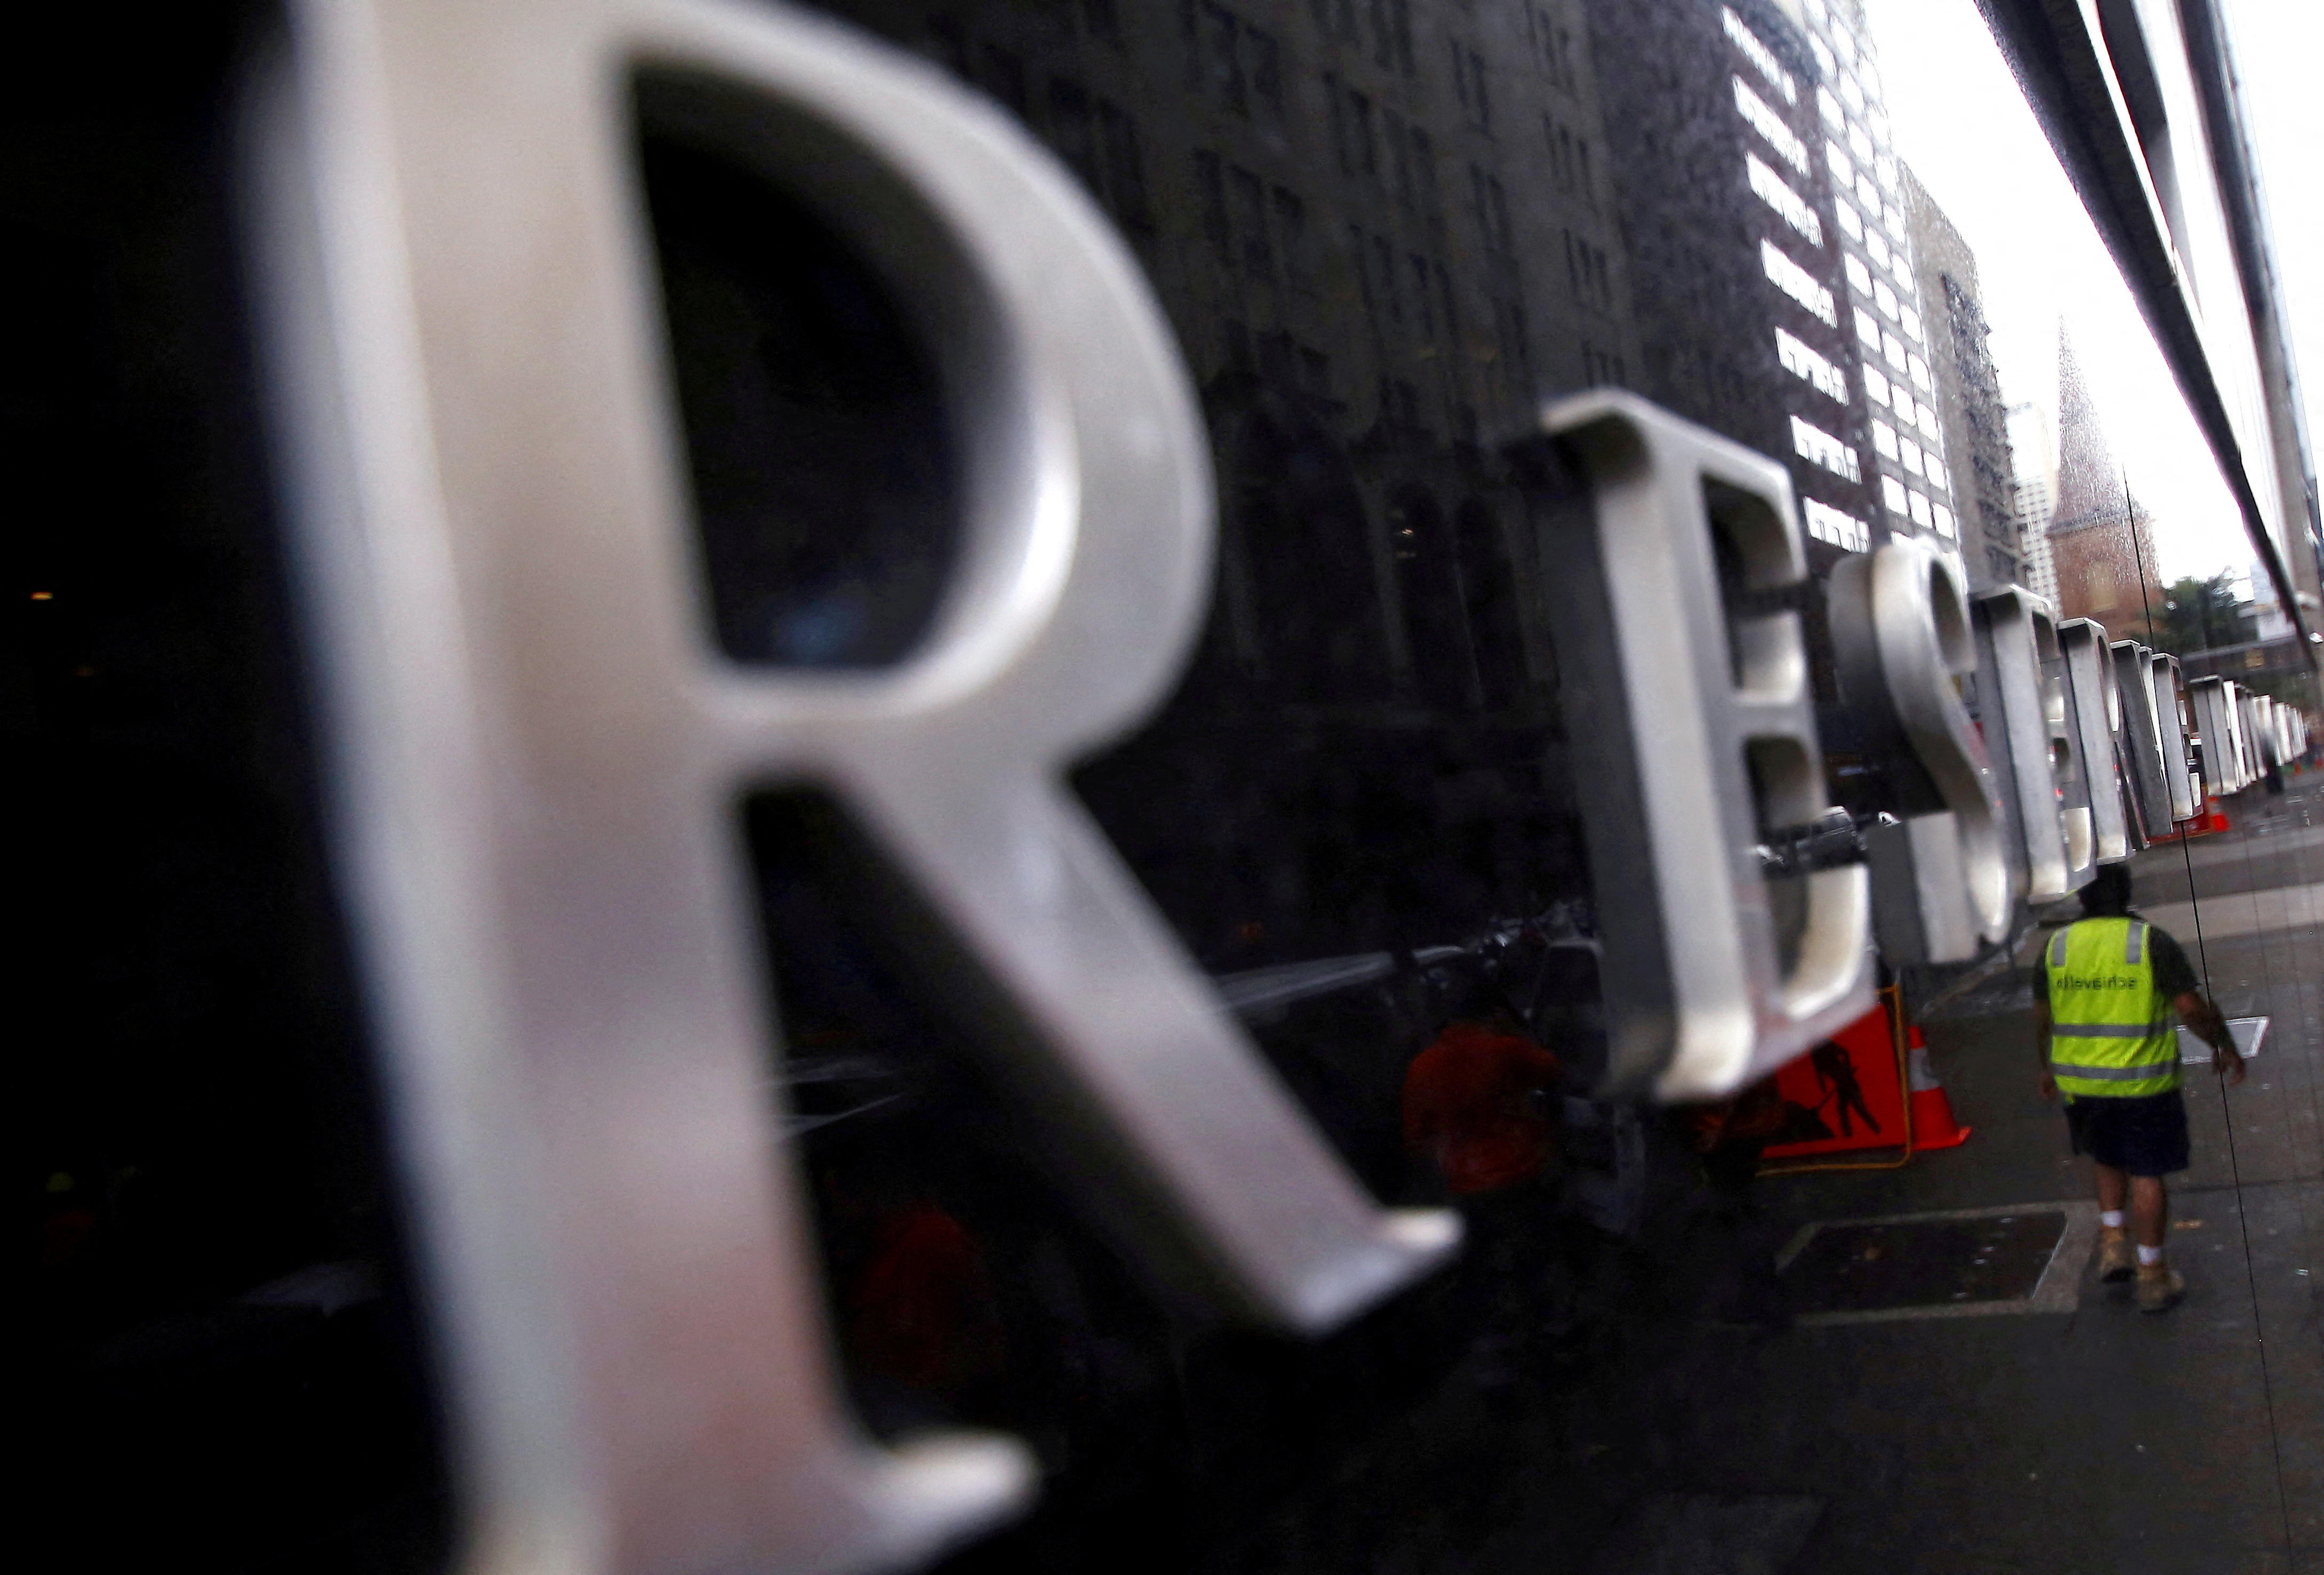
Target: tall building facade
1969	388
1771	254
2033	461
2101	539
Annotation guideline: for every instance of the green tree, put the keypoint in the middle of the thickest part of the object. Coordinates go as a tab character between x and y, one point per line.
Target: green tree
2201	615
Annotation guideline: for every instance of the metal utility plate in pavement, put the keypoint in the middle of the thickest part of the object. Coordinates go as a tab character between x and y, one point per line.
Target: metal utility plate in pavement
1960	1263
2250	1034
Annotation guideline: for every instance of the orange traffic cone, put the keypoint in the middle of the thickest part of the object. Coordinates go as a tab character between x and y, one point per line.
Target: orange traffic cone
1934	1126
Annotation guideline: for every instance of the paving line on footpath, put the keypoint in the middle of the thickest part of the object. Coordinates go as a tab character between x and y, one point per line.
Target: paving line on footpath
2243	912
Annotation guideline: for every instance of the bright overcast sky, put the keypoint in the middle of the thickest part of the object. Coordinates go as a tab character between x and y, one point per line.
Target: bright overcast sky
1960	121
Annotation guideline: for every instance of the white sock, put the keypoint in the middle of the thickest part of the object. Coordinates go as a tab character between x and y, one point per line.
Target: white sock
2149	1255
2110	1217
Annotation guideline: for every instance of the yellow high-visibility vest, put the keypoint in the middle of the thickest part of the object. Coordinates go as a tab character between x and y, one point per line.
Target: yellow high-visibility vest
2110	1031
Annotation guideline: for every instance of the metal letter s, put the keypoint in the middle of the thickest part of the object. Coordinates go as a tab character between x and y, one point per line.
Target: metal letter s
1942	884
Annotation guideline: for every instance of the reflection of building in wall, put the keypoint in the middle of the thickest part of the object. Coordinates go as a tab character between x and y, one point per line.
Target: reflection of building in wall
1969	393
2034	457
2101	540
1771	264
1382	232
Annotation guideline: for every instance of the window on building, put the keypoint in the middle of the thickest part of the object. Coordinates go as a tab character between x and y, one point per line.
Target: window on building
1247	214
1211	196
1291	232
1264	58
1221	43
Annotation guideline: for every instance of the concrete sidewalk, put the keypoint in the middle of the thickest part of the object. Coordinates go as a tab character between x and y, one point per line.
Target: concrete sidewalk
2089	1440
2101	1440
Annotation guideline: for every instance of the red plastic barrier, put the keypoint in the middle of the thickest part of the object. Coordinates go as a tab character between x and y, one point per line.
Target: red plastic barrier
1845	1094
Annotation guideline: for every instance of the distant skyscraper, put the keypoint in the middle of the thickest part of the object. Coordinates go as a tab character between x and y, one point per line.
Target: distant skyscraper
2101	539
2033	458
1975	445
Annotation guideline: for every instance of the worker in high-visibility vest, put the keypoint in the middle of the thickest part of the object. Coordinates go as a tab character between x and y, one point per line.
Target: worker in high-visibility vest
2104	998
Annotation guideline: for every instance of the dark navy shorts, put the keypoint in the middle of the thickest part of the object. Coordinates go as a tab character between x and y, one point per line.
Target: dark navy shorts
2146	1136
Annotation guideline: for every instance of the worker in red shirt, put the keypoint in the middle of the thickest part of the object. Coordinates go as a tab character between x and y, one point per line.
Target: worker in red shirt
1474	1101
1476	1112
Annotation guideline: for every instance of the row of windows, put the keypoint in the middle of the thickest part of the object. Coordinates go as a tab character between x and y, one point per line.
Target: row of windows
1818	446
1883	342
1097	137
1569	160
1252	225
1893	306
1359	126
1400	405
1513	362
1599	367
1553	43
1390	27
1843	62
1469	85
1420	290
1740	35
1587	272
1801	361
1099	18
1093	134
1889	444
1762	118
1797	282
1912	504
1826	523
1233	60
1777	193
1810	442
1898	398
1453	587
1280	359
1897	260
1490	206
1846	179
1862	74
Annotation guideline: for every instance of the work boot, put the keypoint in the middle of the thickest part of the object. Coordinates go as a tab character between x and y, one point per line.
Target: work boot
2160	1286
2116	1261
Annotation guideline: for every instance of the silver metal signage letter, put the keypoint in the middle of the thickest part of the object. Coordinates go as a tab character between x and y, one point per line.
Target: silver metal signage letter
2209	697
2247	734
1942	882
1695	736
2022	703
2095	712
2170	724
536	754
2142	737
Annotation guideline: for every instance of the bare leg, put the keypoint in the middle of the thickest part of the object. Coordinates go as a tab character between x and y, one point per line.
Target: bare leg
2112	1184
2150	1208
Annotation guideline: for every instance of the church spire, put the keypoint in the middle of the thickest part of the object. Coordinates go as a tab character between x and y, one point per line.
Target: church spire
2101	542
2090	480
